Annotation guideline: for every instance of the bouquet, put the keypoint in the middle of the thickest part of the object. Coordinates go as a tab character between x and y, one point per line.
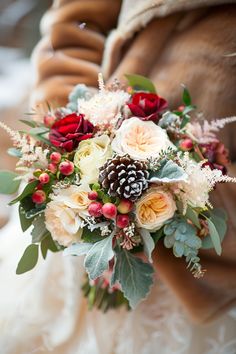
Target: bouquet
109	177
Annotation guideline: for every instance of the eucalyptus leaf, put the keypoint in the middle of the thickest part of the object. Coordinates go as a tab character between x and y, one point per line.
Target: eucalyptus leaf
148	243
219	219
134	276
29	189
8	184
48	244
140	83
170	172
29	259
192	215
24	221
214	235
39	231
98	257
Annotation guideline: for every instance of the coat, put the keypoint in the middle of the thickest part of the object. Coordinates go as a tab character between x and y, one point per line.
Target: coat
172	42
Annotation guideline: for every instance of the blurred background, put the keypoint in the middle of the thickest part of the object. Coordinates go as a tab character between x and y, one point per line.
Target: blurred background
19	33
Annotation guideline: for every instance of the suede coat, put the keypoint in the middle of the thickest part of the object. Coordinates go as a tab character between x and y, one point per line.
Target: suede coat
172	42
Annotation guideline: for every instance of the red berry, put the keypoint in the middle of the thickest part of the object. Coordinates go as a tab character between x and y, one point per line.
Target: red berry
92	195
181	108
186	144
95	209
49	120
122	221
66	168
55	157
125	206
44	178
39	197
109	210
52	168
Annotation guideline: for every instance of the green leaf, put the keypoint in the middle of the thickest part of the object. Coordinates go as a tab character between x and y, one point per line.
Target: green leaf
91	236
192	215
157	235
14	152
98	257
214	235
168	173
29	189
39	130
8	184
186	96
30	123
29	259
78	249
140	83
148	243
48	244
39	231
24	221
219	219
134	276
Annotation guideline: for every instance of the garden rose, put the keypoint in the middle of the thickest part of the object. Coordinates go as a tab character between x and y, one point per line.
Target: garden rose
147	106
67	132
65	213
141	140
63	223
154	208
91	155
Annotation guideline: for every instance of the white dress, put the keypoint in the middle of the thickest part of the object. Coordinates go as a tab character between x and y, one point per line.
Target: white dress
43	311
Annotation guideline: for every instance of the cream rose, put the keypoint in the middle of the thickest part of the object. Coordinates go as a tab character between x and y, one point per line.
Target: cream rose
63	223
154	208
139	139
92	154
65	213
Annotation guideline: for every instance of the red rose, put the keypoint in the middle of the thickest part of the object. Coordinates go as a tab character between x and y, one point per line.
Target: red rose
147	106
67	132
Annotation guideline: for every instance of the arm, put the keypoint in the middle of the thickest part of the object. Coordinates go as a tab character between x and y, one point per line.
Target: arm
68	53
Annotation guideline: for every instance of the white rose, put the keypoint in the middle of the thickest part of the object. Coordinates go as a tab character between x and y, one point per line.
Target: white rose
63	223
154	208
64	214
140	140
91	155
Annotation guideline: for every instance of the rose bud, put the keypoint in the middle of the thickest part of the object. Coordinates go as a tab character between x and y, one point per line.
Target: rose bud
52	168
55	157
186	145
39	197
109	210
66	168
122	221
125	206
95	209
44	178
92	195
49	120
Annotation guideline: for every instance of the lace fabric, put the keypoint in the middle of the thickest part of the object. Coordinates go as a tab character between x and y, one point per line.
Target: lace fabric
43	311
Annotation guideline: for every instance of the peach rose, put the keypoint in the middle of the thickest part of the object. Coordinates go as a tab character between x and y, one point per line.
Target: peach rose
140	140
154	208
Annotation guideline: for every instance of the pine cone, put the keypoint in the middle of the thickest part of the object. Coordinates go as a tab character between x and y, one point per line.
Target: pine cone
124	177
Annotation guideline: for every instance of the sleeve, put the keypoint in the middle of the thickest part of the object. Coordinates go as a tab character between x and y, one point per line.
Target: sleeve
71	48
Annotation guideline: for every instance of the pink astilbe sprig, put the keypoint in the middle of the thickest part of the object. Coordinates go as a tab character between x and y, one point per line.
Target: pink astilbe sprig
205	133
19	140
